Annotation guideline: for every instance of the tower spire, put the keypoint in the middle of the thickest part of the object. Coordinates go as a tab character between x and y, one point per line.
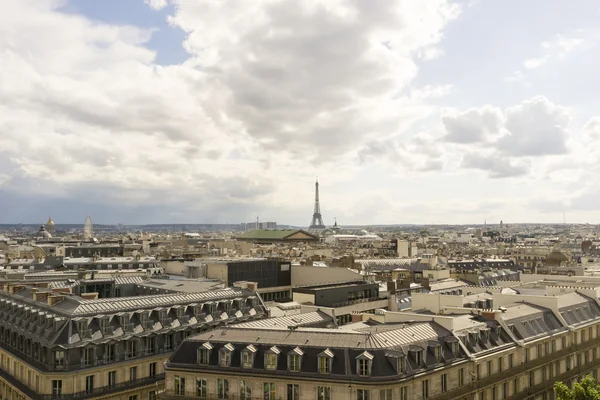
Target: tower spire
317	220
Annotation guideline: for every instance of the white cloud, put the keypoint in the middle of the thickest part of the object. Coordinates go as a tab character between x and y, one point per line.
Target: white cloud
535	127
156	4
533	63
591	130
270	88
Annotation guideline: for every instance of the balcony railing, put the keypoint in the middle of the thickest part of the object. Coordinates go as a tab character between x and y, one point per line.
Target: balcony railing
104	390
170	395
66	366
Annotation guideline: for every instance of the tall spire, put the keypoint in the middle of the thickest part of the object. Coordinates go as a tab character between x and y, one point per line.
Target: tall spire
317	220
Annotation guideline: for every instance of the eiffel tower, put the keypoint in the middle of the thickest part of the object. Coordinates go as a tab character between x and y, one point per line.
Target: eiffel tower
317	220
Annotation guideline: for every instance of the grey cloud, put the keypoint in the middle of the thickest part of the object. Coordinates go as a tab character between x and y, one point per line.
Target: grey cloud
497	166
472	126
420	153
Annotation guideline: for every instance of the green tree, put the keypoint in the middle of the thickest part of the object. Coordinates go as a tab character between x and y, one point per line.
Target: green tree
586	389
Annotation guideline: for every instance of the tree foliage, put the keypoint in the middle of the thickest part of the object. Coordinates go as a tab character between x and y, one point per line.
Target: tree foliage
586	389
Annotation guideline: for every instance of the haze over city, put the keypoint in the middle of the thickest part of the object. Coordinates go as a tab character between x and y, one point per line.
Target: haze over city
169	111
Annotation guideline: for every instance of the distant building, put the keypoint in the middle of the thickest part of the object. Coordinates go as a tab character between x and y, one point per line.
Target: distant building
50	226
88	228
248	226
277	236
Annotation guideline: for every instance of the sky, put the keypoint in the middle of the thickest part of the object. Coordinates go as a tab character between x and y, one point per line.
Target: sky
203	111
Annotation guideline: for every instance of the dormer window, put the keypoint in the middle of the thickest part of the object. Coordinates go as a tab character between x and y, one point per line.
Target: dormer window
295	359
143	318
325	361
271	358
417	353
437	352
248	356
454	346
473	336
400	365
204	353
180	312
225	355
363	364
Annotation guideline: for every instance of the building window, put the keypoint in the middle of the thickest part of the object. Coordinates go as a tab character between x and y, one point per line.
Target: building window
150	345
169	342
132	373
134	397
385	394
225	358
152	369
109	353
510	361
179	385
245	390
363	394
437	352
57	387
489	368
425	388
271	361
112	378
201	388
59	359
269	391
500	364
325	359
363	364
461	377
89	383
87	356
132	349
203	356
152	395
323	393
294	362
222	388
444	379
400	365
293	392
404	393
247	359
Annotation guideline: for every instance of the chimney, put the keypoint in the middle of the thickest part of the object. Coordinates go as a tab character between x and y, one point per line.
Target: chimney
52	300
90	296
391	287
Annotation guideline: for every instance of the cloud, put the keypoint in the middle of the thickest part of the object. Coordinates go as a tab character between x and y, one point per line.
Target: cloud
421	153
156	4
271	90
591	130
535	127
496	165
533	63
473	125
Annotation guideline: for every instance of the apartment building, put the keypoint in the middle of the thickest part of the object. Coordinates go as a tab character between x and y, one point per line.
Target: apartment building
57	345
516	349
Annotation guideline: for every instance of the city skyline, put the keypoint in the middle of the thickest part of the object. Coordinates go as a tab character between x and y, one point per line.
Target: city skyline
166	111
